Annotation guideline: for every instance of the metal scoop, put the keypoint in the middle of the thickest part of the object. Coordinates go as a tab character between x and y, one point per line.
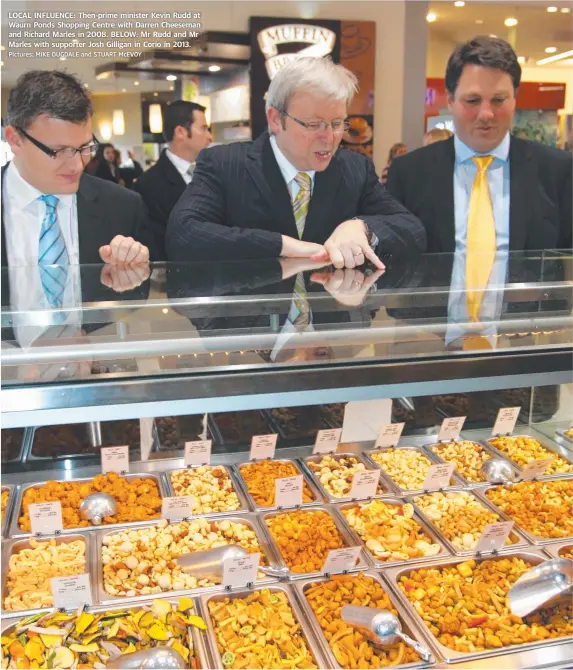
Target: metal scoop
381	627
97	506
158	658
546	585
497	471
209	564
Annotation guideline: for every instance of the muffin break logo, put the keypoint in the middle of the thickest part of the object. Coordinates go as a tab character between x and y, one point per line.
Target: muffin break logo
321	41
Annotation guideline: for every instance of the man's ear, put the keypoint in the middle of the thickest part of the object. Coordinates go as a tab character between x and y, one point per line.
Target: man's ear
274	118
450	101
14	139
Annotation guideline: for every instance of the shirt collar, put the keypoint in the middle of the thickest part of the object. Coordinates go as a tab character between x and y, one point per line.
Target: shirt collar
288	170
24	193
464	153
181	164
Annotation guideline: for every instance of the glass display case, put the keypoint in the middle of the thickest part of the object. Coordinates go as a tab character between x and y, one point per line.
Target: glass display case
158	357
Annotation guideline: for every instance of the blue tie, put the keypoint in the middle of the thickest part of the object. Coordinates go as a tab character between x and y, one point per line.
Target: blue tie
53	256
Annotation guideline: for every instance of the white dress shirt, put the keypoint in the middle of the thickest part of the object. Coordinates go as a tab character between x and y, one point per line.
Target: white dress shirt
181	165
288	170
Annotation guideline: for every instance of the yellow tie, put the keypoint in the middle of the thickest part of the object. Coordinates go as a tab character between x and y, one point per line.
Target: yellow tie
301	201
481	239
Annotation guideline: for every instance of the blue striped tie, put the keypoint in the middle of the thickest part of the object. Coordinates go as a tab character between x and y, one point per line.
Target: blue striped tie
53	256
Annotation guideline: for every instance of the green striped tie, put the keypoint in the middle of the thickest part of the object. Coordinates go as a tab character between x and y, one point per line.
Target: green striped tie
301	202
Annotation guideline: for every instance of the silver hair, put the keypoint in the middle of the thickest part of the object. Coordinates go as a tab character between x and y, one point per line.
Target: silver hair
317	75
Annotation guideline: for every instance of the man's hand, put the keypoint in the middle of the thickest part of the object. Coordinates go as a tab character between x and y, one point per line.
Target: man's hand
348	287
121	279
124	251
348	246
292	266
298	249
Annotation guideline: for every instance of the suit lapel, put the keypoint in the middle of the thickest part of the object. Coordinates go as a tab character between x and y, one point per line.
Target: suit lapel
88	221
323	200
521	182
443	195
171	173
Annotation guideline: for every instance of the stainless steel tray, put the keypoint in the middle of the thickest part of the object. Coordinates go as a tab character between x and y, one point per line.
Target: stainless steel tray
16	532
249	520
377	562
520	540
93	456
561	435
15	546
316	495
21	457
545	442
408	627
392	577
299	615
244	503
404	492
197	638
383	482
12	495
554	549
340	525
534	539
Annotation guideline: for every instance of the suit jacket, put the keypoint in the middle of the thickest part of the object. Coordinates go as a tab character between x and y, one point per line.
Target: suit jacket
540	194
160	187
238	206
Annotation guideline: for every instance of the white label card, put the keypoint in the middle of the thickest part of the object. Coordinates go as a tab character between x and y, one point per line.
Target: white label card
389	435
288	491
263	446
339	560
365	484
46	518
451	428
71	592
114	459
438	476
327	441
240	571
177	507
494	536
198	453
535	469
506	420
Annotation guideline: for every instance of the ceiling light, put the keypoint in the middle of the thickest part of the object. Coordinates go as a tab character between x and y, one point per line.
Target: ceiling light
118	122
136	83
123	90
551	50
459	3
552	10
214	68
86	85
565	10
480	21
105	131
155	119
431	17
155	93
521	59
171	77
171	88
492	35
552	59
510	22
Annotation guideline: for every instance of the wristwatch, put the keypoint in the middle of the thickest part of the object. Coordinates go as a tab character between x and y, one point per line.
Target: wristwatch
371	236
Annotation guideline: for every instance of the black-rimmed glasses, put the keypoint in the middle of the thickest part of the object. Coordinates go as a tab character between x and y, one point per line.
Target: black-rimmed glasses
338	126
88	150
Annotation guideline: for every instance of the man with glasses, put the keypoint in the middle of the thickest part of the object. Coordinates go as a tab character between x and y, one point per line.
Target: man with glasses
291	192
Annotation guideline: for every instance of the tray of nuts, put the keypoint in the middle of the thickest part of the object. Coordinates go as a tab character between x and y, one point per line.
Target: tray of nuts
392	531
459	519
461	607
136	563
303	538
138	498
213	487
258	481
541	510
30	564
344	646
405	467
561	550
333	474
262	628
522	449
9	495
566	435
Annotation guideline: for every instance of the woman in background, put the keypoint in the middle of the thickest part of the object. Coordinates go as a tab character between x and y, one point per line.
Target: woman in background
398	149
104	165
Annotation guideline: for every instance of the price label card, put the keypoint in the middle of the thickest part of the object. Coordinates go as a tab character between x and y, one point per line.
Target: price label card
451	428
506	420
46	518
327	441
339	560
365	484
198	453
494	536
535	469
438	476
71	592
389	435
288	491
263	446
114	459
240	571
177	507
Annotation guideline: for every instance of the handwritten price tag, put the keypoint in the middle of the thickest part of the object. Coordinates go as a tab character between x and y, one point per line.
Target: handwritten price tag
240	571
341	560
177	507
288	491
114	459
46	518
506	420
365	484
535	469
327	441
438	476
494	536
389	435
263	446
71	592
451	428
198	453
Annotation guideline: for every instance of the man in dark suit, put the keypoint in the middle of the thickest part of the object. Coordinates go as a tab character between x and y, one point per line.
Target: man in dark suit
293	193
530	184
185	128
